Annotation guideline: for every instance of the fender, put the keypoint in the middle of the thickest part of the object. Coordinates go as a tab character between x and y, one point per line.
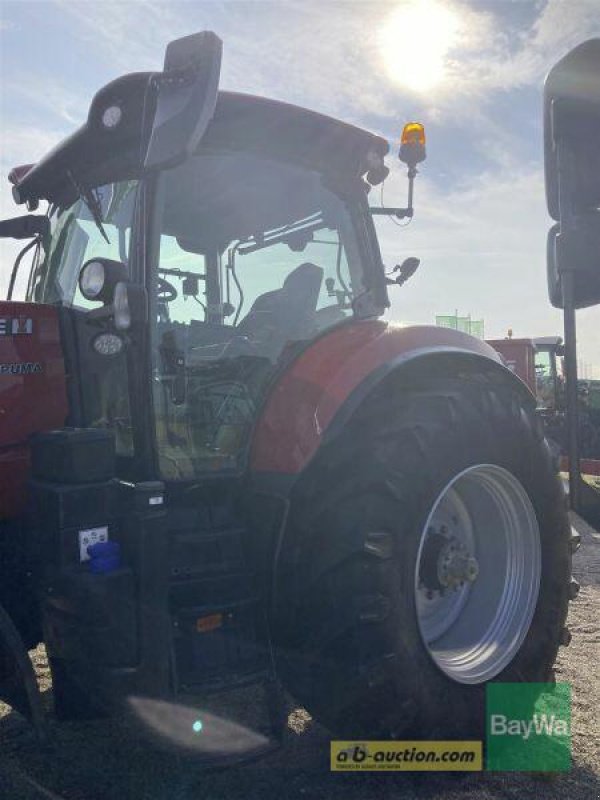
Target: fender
311	401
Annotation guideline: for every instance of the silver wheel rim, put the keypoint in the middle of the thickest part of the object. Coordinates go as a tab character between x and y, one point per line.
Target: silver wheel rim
477	574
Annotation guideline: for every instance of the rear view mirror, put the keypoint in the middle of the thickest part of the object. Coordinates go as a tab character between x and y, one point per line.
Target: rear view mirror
571	130
186	100
572	171
577	249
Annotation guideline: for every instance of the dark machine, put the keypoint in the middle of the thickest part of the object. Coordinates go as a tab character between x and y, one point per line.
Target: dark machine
572	162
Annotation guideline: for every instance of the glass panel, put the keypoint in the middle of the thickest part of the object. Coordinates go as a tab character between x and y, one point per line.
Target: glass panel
256	258
75	239
545	380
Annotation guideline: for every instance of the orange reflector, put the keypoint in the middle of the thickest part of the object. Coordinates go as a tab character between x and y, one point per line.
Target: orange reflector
413	133
209	623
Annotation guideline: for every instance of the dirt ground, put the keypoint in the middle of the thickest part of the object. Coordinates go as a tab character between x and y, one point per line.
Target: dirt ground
97	761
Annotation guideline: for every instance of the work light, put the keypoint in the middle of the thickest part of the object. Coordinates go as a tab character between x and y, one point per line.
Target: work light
98	278
92	279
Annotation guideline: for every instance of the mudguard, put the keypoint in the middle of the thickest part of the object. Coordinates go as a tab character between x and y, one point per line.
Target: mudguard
312	399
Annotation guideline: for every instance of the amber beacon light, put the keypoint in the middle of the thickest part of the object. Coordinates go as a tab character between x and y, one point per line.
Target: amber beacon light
412	144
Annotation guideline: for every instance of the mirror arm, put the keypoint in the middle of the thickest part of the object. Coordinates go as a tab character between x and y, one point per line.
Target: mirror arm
399	213
25	227
17	264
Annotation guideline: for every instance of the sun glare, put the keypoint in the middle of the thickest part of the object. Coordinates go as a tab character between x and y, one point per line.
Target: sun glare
415	40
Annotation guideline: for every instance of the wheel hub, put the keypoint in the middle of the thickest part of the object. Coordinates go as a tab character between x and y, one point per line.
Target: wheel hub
446	563
456	566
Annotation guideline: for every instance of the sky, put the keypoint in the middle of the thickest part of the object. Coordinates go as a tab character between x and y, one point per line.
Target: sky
472	72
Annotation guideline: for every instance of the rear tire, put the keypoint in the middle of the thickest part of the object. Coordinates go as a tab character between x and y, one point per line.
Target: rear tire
346	620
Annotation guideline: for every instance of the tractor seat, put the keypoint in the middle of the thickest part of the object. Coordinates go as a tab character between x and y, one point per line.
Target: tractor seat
285	314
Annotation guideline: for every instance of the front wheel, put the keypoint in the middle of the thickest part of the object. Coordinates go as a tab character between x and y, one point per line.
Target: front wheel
427	554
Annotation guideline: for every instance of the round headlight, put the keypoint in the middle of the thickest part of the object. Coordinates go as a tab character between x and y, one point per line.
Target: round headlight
91	280
108	344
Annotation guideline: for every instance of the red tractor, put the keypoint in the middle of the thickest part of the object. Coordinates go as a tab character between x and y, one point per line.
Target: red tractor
219	466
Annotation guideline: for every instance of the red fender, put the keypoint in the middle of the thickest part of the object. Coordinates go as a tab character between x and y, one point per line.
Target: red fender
305	399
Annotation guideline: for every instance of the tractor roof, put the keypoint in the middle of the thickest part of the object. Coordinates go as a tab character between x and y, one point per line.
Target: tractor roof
547	341
241	122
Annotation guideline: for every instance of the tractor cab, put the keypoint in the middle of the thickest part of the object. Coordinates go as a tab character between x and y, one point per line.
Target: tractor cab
548	373
251	246
196	243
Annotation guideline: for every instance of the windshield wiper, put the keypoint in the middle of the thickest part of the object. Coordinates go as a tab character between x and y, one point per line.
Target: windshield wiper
92	203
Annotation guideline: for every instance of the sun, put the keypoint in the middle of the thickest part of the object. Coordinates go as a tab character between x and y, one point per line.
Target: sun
415	40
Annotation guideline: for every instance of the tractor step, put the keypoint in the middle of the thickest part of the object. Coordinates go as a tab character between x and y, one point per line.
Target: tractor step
221	648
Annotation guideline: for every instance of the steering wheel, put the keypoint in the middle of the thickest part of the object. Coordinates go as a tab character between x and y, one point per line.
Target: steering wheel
165	291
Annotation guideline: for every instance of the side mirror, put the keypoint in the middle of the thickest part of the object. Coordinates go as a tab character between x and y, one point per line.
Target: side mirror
405	270
186	100
572	172
571	130
577	250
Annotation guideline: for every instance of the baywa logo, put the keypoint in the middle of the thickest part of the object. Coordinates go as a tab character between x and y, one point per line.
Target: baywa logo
529	727
540	725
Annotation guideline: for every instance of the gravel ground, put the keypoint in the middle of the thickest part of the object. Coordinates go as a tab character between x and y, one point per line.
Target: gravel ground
98	761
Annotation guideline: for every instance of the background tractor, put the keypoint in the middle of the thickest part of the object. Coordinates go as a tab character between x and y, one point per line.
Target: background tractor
220	467
539	363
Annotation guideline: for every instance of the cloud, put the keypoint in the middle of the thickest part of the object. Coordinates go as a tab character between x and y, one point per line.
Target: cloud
493	61
19	144
22	144
130	35
329	55
47	98
483	251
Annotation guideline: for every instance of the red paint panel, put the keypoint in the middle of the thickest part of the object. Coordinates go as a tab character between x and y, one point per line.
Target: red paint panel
519	355
306	398
32	391
587	466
